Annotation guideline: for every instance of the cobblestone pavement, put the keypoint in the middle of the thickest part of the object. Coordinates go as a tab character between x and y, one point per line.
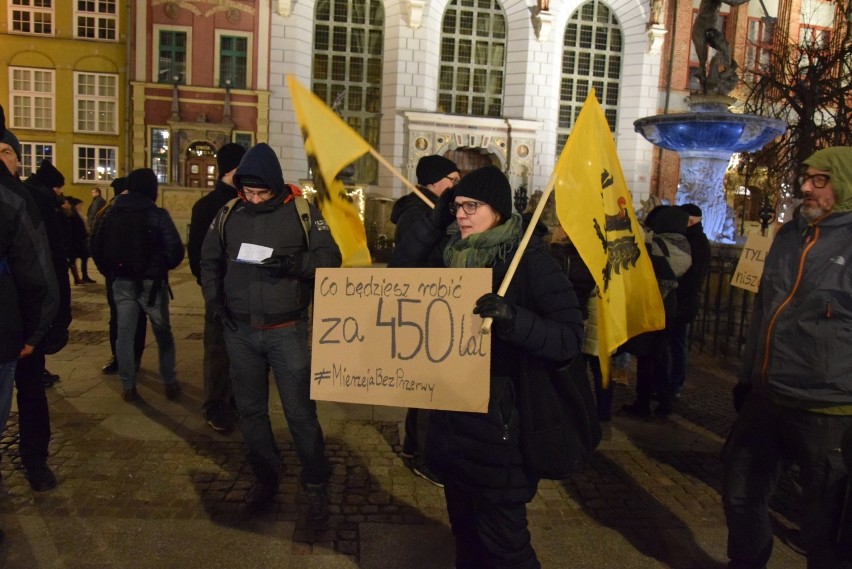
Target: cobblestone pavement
150	485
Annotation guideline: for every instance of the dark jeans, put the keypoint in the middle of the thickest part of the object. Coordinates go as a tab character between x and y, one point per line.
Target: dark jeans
253	352
603	396
33	413
217	379
132	298
677	348
489	535
141	325
416	426
766	439
652	374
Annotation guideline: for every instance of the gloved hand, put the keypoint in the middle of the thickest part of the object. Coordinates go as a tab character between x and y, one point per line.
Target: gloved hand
741	391
214	311
497	308
441	216
279	265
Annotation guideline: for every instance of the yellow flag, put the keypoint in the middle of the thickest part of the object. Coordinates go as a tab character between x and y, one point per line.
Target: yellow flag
331	145
595	209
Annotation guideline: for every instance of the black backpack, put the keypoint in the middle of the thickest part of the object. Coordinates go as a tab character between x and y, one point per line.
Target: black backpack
124	243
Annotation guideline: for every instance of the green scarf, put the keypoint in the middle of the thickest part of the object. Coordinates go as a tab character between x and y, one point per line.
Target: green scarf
486	248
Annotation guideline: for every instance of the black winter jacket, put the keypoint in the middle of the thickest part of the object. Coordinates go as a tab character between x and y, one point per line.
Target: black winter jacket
163	237
406	214
689	285
203	213
49	208
28	292
482	451
245	290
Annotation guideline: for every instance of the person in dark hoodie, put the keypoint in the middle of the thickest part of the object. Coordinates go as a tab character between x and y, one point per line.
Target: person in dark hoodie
669	252
33	411
478	455
29	296
137	243
264	309
435	175
119	186
217	384
689	287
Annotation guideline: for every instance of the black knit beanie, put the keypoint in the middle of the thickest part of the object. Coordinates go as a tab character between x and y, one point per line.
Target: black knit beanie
692	209
9	138
431	169
119	184
49	175
143	181
489	185
228	157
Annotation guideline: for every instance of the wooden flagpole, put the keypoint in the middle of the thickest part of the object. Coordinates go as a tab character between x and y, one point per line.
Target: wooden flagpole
393	171
522	246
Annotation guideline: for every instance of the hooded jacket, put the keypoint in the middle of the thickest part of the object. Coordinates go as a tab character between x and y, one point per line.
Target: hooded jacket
167	249
799	351
245	290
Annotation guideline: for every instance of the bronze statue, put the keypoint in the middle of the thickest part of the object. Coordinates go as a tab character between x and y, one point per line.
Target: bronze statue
720	77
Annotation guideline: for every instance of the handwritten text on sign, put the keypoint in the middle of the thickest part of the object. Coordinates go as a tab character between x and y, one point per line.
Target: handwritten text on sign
401	337
750	267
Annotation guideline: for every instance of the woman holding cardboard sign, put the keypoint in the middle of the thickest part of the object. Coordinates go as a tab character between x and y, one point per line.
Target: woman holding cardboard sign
478	455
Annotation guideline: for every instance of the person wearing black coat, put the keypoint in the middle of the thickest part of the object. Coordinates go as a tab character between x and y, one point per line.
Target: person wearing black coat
435	175
33	411
217	384
148	291
119	186
689	287
478	455
28	293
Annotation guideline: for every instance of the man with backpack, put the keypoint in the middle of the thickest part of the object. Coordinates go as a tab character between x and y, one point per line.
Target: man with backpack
137	244
217	383
257	268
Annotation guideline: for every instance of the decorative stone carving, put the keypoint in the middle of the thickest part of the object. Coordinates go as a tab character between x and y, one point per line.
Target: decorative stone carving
542	24
285	8
415	13
656	34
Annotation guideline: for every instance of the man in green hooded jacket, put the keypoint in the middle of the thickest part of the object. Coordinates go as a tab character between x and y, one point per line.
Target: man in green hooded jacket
794	396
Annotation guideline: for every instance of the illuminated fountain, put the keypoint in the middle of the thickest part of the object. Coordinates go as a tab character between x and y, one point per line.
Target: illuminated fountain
705	139
708	135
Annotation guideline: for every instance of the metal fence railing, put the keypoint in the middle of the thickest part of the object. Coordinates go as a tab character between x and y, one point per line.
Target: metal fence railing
723	319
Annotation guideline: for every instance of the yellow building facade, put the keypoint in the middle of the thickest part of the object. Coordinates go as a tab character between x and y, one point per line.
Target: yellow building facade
64	86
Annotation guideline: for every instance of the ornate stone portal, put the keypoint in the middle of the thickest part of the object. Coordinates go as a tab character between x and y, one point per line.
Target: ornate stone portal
509	142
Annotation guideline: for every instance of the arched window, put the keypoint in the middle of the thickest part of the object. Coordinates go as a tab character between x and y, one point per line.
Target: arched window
347	72
591	57
473	58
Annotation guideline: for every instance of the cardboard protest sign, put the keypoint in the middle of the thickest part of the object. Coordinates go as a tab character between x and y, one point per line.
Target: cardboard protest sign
401	337
750	267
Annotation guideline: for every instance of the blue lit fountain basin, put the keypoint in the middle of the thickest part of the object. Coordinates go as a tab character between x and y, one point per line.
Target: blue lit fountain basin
720	131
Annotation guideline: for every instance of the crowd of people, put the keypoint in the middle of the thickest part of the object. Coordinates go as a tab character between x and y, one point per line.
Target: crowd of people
794	398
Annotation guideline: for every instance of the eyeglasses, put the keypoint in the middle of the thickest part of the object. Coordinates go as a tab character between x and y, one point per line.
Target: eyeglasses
257	193
817	180
455	180
468	207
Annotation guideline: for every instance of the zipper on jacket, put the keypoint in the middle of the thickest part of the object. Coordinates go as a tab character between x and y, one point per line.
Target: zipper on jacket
767	344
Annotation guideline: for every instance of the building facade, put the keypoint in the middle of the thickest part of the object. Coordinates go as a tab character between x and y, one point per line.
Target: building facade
105	87
63	86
